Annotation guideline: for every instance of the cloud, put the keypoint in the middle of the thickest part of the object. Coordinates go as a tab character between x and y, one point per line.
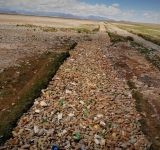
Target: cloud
146	15
129	14
156	16
64	6
152	16
115	5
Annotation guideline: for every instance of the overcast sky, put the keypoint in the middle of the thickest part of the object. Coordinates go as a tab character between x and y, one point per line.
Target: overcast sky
133	10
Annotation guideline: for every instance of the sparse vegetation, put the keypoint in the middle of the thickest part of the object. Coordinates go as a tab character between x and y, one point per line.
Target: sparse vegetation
96	29
147	52
65	29
131	84
27	25
150	55
149	125
72	46
48	29
45	29
129	38
82	30
115	38
148	32
148	38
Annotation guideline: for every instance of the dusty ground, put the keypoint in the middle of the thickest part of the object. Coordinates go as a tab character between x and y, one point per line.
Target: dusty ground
21	41
20	44
120	63
44	21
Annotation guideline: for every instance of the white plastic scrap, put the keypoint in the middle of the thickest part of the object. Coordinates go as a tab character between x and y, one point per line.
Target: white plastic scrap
64	131
73	83
68	92
36	103
102	123
97	136
100	115
37	111
88	107
70	115
42	103
36	129
59	116
81	102
96	141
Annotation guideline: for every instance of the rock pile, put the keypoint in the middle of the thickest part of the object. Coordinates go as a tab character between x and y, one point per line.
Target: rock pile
86	106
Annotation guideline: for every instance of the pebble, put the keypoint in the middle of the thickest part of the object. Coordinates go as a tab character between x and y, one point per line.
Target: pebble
96	141
154	115
102	142
13	104
37	111
42	103
25	146
157	138
36	129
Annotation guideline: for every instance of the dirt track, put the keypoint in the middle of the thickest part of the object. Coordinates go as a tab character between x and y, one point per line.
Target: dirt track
136	38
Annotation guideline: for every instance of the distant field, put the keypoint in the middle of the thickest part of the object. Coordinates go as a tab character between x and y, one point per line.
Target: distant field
46	21
150	32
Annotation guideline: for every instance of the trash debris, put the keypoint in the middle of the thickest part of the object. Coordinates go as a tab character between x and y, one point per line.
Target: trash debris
37	111
61	101
85	112
42	103
77	136
13	104
55	148
85	105
154	115
59	116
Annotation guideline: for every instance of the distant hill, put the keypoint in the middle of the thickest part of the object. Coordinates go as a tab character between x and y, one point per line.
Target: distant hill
2	10
52	14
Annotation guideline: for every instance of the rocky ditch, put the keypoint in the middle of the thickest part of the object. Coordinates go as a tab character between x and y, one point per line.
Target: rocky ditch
85	106
28	61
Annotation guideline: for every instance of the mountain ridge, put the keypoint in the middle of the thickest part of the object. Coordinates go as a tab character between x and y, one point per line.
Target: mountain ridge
52	14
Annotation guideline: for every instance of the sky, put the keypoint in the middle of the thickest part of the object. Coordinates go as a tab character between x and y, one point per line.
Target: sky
128	10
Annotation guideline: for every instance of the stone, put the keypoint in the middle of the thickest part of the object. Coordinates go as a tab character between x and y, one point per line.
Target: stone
68	92
157	138
154	115
42	103
25	146
13	104
70	115
96	141
59	116
102	142
102	123
37	111
36	129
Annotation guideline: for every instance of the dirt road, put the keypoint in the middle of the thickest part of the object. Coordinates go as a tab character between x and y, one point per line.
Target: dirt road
102	28
136	38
